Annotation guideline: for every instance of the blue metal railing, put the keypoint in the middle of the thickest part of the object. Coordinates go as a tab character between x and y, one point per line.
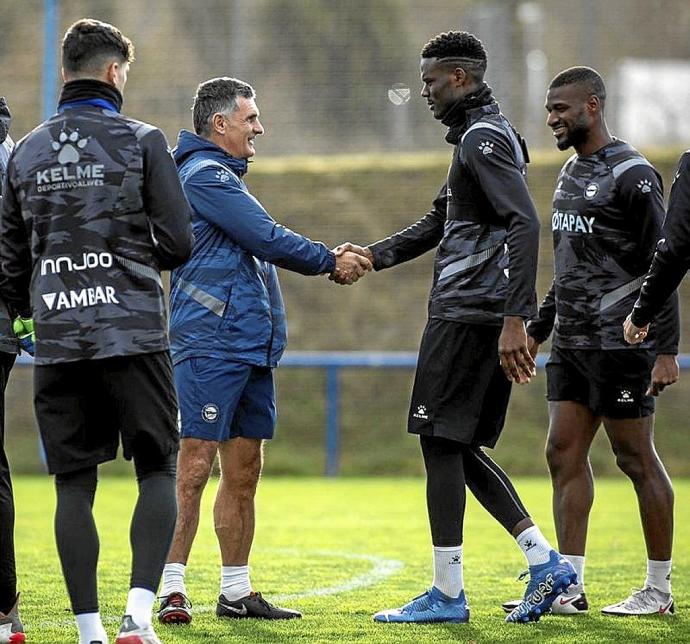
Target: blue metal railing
49	79
332	362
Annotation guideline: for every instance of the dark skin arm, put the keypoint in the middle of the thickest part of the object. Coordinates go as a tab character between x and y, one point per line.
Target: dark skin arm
513	351
665	372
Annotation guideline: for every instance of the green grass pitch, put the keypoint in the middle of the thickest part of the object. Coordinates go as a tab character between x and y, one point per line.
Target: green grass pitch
338	550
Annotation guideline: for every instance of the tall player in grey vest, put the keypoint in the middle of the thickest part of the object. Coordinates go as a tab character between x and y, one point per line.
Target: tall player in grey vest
486	229
606	219
93	212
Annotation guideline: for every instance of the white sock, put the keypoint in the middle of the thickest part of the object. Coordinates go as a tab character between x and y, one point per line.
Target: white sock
579	565
91	628
448	570
173	579
659	575
535	546
234	582
140	605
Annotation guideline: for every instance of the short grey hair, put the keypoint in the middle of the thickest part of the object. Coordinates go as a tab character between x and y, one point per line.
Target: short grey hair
217	95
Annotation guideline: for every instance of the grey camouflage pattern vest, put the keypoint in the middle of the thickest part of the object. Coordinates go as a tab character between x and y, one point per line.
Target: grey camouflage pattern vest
601	248
472	260
96	290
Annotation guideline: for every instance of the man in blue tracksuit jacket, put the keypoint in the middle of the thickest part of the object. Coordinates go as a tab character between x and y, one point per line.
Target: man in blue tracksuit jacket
227	332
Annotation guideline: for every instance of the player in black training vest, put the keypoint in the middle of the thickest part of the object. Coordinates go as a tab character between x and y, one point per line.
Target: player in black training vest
486	229
93	211
606	219
671	258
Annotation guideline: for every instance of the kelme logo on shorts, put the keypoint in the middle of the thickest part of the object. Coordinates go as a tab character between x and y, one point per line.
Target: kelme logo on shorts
626	397
421	413
209	413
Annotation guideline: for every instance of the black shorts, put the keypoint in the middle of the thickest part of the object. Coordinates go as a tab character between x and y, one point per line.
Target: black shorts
460	391
610	383
84	408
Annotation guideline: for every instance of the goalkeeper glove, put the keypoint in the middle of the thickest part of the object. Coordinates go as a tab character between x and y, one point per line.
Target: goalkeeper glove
24	330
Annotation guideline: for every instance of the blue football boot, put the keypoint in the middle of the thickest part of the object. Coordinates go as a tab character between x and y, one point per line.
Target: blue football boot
431	607
547	581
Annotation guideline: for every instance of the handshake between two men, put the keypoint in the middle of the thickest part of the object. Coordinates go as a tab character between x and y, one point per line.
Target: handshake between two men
351	263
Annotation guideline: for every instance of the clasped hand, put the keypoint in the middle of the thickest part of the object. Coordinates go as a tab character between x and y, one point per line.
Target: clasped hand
634	334
351	263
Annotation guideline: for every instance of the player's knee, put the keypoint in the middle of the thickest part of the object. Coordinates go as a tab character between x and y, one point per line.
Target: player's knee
556	455
565	463
632	465
147	466
194	467
193	476
243	480
670	494
86	479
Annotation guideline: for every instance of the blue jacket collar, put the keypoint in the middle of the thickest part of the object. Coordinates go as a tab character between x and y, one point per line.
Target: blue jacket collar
189	144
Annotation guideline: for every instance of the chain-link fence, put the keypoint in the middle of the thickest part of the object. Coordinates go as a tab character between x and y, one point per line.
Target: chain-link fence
323	69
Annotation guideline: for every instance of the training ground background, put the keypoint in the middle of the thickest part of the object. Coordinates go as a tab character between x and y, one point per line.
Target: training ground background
323	71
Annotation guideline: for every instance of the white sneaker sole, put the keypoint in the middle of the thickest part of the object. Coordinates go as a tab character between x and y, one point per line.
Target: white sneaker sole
662	611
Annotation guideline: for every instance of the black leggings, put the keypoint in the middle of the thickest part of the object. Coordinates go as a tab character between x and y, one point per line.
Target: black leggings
450	466
151	529
8	573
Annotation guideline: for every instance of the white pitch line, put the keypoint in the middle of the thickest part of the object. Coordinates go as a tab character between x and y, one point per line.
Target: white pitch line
381	569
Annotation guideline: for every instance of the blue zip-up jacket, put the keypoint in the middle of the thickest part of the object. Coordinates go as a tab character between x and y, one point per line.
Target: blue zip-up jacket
225	301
